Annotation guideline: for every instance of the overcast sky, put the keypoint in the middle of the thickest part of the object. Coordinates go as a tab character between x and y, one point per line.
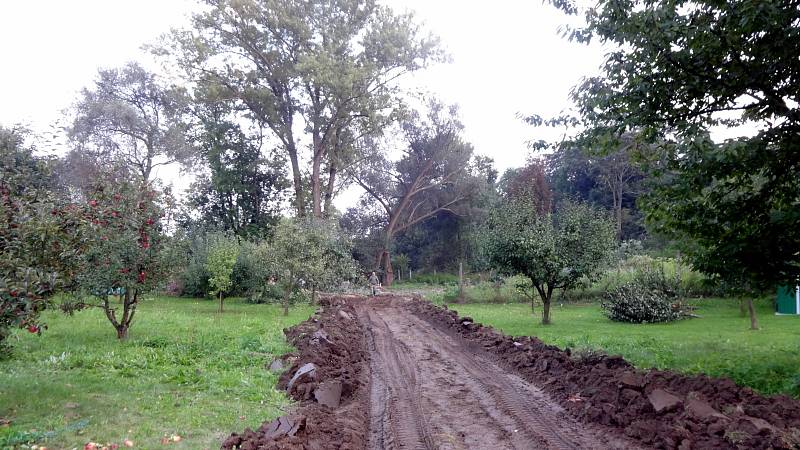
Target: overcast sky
508	58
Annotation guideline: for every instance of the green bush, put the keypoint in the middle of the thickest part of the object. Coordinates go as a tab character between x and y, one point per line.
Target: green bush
268	293
195	280
245	276
690	282
651	296
450	295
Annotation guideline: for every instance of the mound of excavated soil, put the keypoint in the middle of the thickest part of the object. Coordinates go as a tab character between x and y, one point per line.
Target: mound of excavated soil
328	376
660	409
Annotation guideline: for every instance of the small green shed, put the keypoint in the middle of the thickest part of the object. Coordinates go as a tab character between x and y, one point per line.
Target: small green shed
788	300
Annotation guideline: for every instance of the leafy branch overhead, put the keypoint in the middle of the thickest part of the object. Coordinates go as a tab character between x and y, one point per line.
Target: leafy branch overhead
679	75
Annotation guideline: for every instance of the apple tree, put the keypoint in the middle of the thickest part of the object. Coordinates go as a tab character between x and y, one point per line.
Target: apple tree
123	230
552	250
39	239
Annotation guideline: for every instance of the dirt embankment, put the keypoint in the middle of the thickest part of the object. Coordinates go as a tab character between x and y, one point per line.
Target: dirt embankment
659	409
329	376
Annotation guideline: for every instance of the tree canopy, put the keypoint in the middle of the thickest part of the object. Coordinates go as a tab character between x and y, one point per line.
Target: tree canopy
553	250
318	75
678	71
432	176
39	238
242	185
130	119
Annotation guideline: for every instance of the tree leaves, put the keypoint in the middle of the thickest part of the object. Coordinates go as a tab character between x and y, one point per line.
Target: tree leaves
675	70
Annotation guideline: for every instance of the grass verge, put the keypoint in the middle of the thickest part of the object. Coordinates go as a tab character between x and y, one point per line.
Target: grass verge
718	344
185	370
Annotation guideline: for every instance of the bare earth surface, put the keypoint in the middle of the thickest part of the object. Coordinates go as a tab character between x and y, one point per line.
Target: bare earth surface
396	372
429	391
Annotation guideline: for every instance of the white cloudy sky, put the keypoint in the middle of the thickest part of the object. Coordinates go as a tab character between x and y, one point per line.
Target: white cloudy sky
508	58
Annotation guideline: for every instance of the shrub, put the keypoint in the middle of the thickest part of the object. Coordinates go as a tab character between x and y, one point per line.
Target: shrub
245	276
267	293
651	296
195	280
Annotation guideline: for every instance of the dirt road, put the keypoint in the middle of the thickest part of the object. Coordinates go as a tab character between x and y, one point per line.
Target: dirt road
397	372
429	391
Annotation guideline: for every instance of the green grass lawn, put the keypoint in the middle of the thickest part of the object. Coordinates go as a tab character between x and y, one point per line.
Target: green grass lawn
718	344
185	370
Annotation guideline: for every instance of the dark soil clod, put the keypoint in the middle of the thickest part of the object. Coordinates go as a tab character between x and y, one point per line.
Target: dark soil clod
329	393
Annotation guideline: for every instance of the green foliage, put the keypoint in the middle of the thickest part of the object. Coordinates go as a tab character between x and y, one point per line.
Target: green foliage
434	178
713	344
691	282
223	250
39	238
609	180
650	297
333	64
554	251
125	238
308	254
245	276
195	281
401	262
267	293
734	202
130	120
181	358
439	278
123	235
243	190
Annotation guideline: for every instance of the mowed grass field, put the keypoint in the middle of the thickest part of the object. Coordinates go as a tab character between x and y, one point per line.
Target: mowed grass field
185	371
718	344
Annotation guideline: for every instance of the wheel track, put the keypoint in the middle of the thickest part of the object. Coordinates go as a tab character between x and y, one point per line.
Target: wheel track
532	420
423	380
395	395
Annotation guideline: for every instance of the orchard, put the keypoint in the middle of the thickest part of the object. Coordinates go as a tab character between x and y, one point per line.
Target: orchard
295	228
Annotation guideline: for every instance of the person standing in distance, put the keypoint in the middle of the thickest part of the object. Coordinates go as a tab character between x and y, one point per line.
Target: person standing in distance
374	283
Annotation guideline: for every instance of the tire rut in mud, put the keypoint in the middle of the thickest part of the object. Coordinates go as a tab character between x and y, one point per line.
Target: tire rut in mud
396	417
430	392
660	409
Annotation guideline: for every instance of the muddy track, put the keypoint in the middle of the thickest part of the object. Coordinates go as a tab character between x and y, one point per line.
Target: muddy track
430	390
397	372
